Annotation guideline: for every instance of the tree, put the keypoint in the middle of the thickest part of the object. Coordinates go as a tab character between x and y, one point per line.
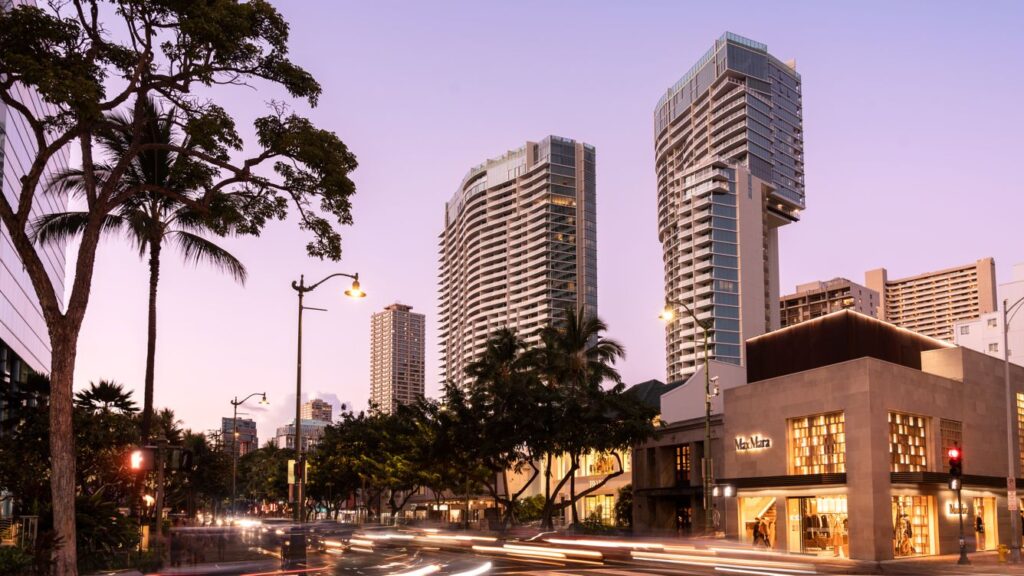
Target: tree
624	507
575	360
84	67
503	401
148	220
106	396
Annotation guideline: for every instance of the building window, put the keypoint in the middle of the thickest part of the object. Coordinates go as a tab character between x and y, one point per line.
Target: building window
912	525
818	444
907	442
1020	426
991	322
951	433
683	464
965	329
993	347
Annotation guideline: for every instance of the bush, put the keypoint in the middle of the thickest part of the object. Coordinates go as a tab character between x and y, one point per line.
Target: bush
14	561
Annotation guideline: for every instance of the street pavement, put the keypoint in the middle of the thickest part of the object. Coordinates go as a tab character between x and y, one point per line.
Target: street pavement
406	552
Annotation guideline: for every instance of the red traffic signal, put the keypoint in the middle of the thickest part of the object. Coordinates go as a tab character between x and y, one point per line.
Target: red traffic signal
955	462
141	460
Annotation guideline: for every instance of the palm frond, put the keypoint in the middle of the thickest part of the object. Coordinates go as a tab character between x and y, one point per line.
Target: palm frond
196	249
61	227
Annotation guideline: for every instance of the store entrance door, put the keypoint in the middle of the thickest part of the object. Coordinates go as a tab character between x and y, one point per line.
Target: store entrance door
684	516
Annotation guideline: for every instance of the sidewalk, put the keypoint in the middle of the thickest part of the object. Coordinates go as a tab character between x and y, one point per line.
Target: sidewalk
986	563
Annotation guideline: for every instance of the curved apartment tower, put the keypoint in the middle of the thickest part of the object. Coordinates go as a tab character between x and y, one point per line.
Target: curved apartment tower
729	157
519	246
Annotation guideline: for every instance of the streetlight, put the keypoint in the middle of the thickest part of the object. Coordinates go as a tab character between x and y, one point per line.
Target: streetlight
1009	311
668	314
300	469
234	443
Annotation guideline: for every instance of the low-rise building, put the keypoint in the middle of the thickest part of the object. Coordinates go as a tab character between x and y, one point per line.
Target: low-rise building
985	333
312	432
836	445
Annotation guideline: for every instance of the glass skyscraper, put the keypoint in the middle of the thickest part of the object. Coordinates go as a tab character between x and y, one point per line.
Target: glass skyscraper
729	160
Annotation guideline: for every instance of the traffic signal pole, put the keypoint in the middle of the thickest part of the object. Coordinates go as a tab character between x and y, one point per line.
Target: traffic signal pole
956	483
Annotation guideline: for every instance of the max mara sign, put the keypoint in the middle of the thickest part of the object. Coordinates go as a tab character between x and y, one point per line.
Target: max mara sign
755	442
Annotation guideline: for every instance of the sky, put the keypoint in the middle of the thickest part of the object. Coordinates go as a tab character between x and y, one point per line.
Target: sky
912	122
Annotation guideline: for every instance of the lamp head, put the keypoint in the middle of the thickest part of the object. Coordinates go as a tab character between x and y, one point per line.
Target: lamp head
264	400
355	291
667	315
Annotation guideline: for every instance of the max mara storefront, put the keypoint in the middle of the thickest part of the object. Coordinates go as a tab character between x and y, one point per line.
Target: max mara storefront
843	453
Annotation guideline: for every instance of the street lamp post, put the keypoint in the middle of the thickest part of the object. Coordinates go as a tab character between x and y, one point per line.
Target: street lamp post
1009	311
234	444
300	469
708	471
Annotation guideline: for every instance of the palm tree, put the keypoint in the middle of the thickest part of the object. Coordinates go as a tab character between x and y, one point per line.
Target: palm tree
154	219
578	359
104	396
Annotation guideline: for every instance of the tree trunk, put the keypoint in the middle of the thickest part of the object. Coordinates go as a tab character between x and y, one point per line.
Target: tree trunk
154	279
64	342
545	522
572	489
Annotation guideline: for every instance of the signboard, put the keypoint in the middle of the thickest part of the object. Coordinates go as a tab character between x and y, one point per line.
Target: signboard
951	508
755	442
1012	502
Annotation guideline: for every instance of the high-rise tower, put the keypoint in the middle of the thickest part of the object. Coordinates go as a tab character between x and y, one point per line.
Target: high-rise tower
728	142
519	246
397	353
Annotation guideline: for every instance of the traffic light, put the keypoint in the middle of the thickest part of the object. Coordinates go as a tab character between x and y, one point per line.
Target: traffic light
141	459
955	464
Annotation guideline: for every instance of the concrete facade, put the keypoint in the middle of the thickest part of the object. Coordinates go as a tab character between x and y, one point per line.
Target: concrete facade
877	465
397	357
985	334
816	299
317	409
930	303
729	163
243	432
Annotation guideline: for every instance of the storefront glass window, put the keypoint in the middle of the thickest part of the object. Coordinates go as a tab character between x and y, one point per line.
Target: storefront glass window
984	524
1020	426
599	509
818	525
907	442
757	521
912	521
818	444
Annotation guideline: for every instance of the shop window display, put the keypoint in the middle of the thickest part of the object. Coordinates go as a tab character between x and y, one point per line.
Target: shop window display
819	525
984	524
818	444
757	521
912	525
908	445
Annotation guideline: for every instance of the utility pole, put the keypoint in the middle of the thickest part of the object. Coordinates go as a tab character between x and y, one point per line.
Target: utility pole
161	448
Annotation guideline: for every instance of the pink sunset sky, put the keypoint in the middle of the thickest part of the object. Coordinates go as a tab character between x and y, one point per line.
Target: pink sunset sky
913	123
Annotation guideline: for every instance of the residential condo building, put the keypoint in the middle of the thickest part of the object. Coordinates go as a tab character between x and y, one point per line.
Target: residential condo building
519	247
728	139
816	299
932	302
312	432
985	333
238	435
317	409
397	353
